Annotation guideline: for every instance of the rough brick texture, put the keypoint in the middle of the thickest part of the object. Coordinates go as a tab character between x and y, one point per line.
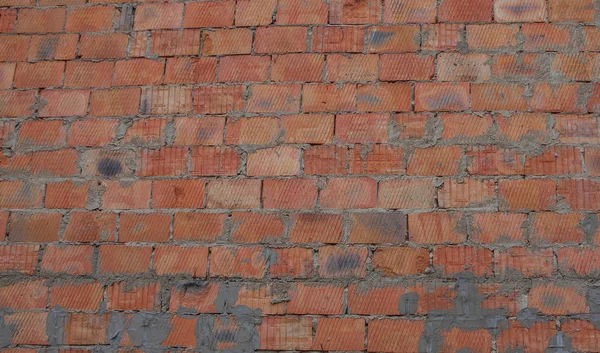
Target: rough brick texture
394	176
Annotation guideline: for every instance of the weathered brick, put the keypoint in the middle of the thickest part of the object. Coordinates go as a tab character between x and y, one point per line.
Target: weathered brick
277	161
158	16
412	11
339	334
355	67
334	39
69	259
406	193
384	97
103	46
198	226
301	12
315	228
280	40
342	262
233	193
328	98
467	192
238	262
397	261
224	41
435	161
209	14
531	194
406	67
34	227
441	96
453	261
437	228
349	193
289	193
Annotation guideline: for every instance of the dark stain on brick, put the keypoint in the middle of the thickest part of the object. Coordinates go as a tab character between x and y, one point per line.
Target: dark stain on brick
589	224
408	304
378	37
552	300
47	48
109	167
343	262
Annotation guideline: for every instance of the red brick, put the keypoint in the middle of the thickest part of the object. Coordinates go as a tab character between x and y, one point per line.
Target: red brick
518	66
127	194
244	68
334	39
41	133
580	66
492	36
441	96
529	263
478	340
530	194
14	47
145	72
209	14
166	100
75	296
146	131
406	67
238	262
8	17
92	132
254	12
352	67
321	159
139	44
190	70
123	101
285	333
555	160
377	159
207	161
523	126
166	161
362	128
7	72
248	227
24	295
492	96
90	19
41	20
292	263
67	194
261	297
7	133
546	36
467	192
277	161
400	261
374	228
385	39
64	103
16	103
54	163
315	228
554	299
34	227
252	130
582	334
466	127
158	16
406	193
498	228
227	41
328	98
437	228
195	297
90	227
86	329
308	128
39	75
19	194
435	161
18	257
28	328
441	36
274	98
234	193
349	193
519	10
69	259
289	193
452	261
280	39
301	12
84	74
144	227
124	258
411	11
592	160
315	298
571	11
579	194
592	35
178	194
594	101
339	334
460	11
551	228
172	43
395	336
53	47
297	67
555	99
206	227
338	262
131	296
578	261
175	260
103	46
384	97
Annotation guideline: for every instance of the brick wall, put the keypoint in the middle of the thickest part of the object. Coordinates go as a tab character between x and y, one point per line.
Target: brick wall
299	175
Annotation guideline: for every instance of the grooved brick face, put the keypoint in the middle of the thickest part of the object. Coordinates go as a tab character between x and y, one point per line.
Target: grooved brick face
394	176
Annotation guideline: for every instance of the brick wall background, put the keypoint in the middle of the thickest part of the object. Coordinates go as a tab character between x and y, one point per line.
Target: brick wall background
299	175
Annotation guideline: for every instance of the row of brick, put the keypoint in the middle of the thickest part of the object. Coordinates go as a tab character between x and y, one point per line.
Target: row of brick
297	333
326	263
295	98
284	12
336	193
296	39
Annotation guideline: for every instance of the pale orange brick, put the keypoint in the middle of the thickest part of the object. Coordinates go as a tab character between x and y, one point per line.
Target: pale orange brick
412	11
308	128
234	193
435	161
498	228
437	228
276	161
251	227
172	260
400	261
406	193
529	194
529	263
467	192
377	159
349	193
289	193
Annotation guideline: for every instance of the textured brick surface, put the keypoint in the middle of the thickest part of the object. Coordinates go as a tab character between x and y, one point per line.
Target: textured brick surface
395	176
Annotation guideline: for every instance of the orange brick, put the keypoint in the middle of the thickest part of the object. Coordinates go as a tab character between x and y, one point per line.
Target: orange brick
190	70
90	19
103	46
437	228
340	334
435	161
394	335
384	97
244	68
249	227
321	159
584	336
92	132
555	99
579	194
554	299
519	10
274	98
24	295
254	12
29	327
123	101
466	127
276	161
124	258
178	194
39	75
406	67
332	39
41	133
315	228
16	47
374	228
34	227
144	227
467	193
218	99
234	194
400	261
377	159
206	227
492	36
529	263
209	14
158	16
460	11
578	261
41	20
130	296
238	262
218	160
195	296
126	194
362	128
90	227
166	161
458	67
441	96
227	41
328	98
546	36
174	260
498	228
53	47
441	36
571	11
352	67
412	11
280	39
551	228
315	298
354	12
289	193
67	194
297	67
292	263
492	96
74	296
19	258
136	72
406	193
308	128
452	261
285	333
301	12
529	194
